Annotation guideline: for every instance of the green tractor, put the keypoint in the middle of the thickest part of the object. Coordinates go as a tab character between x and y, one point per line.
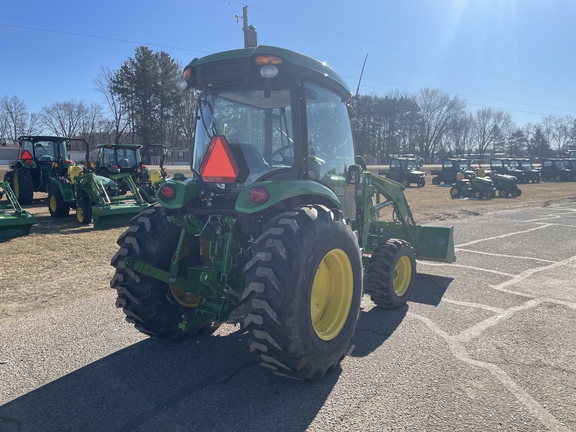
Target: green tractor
473	186
102	200
14	221
276	222
41	158
506	185
128	158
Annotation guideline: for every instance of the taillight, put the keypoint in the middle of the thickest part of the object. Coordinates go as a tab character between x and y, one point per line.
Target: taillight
168	191
258	194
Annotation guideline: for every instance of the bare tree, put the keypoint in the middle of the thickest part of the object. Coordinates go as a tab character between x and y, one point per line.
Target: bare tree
437	111
557	131
15	118
489	126
72	119
119	114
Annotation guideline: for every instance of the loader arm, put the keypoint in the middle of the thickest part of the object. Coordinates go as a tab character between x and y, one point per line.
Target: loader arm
429	242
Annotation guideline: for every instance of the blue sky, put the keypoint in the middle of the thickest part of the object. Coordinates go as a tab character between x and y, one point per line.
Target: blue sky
513	55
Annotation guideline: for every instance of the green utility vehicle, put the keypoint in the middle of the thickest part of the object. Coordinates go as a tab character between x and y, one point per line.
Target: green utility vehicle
40	159
531	174
509	167
405	171
472	186
450	169
14	221
277	220
105	201
556	169
128	158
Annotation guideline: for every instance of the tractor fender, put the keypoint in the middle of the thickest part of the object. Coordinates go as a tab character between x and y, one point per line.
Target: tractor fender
30	165
66	189
300	191
185	189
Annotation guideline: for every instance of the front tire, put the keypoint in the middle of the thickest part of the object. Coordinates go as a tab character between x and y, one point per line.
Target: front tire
149	303
454	192
84	213
56	204
391	273
303	292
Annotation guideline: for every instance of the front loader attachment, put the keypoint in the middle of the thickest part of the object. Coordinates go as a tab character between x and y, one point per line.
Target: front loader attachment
117	214
118	210
14	221
431	243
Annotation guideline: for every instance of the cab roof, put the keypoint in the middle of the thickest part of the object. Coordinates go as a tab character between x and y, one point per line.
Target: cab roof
238	65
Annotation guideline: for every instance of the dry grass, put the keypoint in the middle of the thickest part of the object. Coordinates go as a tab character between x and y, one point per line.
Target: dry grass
61	262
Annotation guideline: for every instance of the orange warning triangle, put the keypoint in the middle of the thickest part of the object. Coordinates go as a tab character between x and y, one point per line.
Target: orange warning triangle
219	165
26	155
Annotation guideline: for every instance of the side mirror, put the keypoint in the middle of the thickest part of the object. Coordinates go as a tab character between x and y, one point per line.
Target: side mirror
353	174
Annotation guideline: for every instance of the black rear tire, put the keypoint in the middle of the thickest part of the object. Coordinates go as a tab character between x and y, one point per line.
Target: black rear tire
148	303
303	292
391	274
23	185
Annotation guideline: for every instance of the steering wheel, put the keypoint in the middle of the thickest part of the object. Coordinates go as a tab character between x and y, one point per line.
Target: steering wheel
280	152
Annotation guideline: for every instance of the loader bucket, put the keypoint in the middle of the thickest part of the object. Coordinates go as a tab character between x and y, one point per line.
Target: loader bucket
435	243
117	214
14	221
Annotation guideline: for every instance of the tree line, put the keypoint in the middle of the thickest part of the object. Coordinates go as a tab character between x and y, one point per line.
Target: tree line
140	104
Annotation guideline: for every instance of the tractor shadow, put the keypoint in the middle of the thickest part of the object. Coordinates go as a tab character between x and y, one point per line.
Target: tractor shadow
210	383
376	325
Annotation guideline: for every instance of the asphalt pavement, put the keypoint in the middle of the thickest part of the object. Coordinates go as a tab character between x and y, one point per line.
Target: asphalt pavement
487	343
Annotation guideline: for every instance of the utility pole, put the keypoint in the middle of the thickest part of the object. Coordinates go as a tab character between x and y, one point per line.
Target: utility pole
250	35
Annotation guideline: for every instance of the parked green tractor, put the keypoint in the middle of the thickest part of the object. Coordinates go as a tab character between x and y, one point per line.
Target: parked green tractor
506	185
41	158
14	221
105	201
276	222
509	167
128	158
473	186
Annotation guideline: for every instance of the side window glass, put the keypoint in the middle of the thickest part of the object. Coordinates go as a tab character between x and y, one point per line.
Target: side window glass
330	145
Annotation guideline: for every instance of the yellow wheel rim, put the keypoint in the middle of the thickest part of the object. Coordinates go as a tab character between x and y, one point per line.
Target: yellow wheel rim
331	296
402	276
453	192
79	211
53	203
186	299
16	186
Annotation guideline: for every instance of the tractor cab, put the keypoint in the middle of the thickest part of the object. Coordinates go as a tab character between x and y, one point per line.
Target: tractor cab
271	122
117	158
49	154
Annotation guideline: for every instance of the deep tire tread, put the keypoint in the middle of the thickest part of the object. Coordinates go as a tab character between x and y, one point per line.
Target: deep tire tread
273	278
151	239
379	271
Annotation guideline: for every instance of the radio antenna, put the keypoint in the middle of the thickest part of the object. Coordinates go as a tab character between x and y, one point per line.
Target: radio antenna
361	73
